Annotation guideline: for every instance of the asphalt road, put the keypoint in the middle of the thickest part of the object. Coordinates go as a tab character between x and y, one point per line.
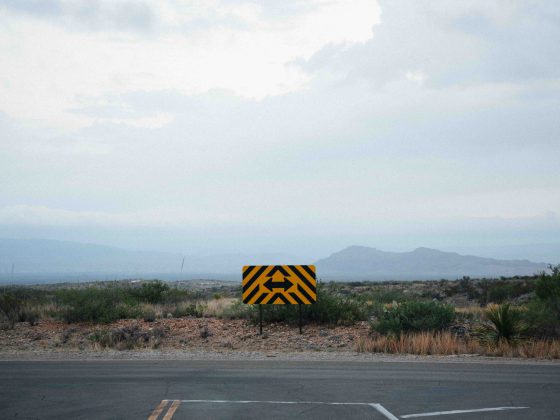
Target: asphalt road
276	389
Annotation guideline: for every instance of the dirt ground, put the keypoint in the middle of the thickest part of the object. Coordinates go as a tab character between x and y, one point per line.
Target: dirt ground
182	333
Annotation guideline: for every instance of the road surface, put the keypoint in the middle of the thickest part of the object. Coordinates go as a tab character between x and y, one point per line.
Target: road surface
271	389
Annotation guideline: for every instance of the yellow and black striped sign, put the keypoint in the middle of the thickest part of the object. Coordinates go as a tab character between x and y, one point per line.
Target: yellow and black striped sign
279	284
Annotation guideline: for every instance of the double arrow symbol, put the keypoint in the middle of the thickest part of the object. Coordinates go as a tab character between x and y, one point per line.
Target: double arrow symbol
285	284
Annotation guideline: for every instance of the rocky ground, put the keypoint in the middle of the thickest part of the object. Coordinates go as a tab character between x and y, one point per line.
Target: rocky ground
209	334
202	339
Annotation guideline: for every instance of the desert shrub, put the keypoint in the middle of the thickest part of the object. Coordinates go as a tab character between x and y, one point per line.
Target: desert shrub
150	292
547	289
189	309
174	295
541	320
102	305
330	308
10	307
383	295
30	315
20	304
414	316
505	324
466	285
500	291
543	313
235	310
148	315
333	309
127	338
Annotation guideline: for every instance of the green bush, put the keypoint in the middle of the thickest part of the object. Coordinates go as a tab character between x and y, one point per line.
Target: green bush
547	289
128	338
505	325
334	309
189	309
500	291
18	304
330	308
383	295
238	310
150	292
414	316
11	307
102	305
543	313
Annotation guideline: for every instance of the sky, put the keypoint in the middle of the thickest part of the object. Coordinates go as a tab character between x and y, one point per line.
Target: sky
297	126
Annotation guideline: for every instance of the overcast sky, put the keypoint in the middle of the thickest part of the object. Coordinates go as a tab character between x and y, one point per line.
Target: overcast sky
290	126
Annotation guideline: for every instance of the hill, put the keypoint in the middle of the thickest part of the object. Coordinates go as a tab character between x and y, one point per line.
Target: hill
39	260
360	262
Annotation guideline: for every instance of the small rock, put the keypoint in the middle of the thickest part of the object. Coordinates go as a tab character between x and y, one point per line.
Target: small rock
205	332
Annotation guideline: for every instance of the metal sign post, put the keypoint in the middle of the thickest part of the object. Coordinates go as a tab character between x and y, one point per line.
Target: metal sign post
260	319
300	319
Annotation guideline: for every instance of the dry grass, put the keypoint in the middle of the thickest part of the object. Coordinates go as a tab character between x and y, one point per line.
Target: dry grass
218	307
473	312
531	349
423	343
446	343
214	308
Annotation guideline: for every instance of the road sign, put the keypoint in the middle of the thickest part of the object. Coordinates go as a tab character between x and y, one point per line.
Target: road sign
279	284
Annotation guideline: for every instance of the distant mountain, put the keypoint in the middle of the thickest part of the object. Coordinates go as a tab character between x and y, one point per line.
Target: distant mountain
360	262
43	259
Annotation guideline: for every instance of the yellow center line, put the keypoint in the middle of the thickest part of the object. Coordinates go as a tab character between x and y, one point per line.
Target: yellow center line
158	410
172	409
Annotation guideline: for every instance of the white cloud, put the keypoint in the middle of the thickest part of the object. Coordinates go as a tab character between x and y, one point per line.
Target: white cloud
49	67
279	115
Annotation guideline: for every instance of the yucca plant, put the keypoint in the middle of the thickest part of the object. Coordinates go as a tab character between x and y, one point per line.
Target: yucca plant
505	324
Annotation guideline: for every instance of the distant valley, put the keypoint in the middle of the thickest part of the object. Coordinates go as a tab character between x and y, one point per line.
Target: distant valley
42	260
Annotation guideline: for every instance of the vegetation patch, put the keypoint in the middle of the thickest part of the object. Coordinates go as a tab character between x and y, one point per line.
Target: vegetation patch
414	316
127	338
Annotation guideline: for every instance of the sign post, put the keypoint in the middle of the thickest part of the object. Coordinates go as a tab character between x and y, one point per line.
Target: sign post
260	319
300	318
279	285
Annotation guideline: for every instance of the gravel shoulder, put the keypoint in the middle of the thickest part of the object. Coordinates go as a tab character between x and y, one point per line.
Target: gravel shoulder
232	355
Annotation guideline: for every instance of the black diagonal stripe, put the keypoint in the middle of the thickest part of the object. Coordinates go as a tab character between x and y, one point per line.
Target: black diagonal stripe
256	276
278	268
261	297
305	294
253	293
309	271
248	270
302	277
296	298
282	298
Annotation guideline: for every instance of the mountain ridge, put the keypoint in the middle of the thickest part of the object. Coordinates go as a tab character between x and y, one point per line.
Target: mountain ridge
48	258
358	261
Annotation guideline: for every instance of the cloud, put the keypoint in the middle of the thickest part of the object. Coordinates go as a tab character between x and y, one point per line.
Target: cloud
452	44
50	68
284	117
86	14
